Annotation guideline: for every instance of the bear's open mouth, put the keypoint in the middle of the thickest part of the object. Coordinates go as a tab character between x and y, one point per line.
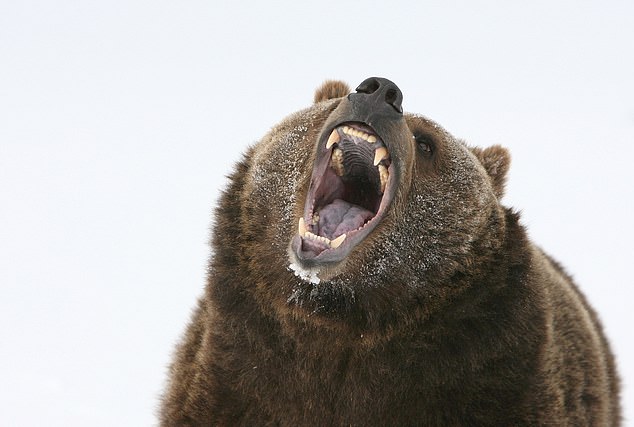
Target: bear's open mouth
349	193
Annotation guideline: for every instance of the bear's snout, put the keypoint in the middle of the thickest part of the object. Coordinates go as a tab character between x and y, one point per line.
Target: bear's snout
378	97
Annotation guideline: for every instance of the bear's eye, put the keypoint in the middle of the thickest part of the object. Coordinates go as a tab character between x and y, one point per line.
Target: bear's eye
425	144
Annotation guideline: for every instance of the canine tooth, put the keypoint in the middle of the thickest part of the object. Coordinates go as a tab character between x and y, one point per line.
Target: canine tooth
302	227
371	139
379	154
384	175
335	243
332	139
337	161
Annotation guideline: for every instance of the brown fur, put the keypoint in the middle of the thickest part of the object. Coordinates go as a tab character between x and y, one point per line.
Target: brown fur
331	89
496	161
445	315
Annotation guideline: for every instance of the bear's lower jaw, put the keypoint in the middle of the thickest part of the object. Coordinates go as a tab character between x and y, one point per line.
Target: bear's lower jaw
350	190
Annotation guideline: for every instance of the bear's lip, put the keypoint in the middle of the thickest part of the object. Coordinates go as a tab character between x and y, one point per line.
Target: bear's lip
351	188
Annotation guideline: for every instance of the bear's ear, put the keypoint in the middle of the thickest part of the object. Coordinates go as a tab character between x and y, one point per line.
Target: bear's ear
496	161
331	89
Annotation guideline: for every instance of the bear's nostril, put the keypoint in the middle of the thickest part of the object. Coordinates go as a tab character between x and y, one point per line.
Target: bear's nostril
368	86
392	97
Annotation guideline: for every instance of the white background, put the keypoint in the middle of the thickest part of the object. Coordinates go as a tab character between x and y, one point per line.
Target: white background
120	119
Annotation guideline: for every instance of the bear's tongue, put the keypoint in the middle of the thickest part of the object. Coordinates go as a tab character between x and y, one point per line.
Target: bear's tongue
340	217
336	219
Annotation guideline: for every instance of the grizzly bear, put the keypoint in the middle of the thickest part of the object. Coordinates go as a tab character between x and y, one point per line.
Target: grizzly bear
365	273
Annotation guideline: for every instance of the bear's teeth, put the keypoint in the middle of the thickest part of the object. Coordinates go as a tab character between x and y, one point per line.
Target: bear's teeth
359	134
379	154
335	243
384	175
302	227
332	139
313	236
304	233
337	161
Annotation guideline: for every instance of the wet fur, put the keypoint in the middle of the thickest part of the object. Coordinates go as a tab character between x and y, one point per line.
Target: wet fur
447	315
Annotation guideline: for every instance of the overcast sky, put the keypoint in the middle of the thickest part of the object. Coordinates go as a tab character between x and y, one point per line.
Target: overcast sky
120	119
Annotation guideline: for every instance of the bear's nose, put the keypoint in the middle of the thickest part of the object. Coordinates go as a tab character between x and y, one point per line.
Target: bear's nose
381	93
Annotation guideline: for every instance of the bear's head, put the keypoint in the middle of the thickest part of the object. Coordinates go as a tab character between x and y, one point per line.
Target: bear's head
353	212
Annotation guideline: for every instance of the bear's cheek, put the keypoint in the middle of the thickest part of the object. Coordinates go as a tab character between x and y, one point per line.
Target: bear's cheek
446	209
270	195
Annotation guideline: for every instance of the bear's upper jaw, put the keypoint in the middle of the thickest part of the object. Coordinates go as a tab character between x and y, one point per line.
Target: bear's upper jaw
348	195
